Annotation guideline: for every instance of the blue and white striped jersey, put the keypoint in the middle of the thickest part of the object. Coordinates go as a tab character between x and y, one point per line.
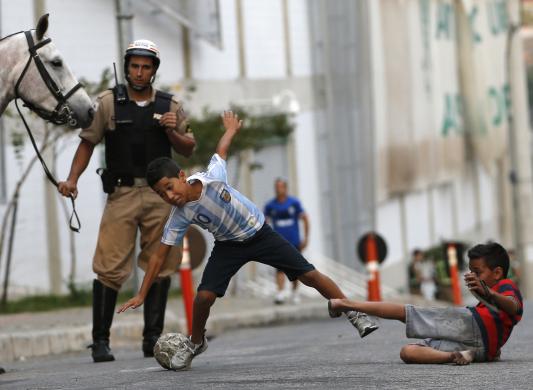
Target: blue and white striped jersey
221	209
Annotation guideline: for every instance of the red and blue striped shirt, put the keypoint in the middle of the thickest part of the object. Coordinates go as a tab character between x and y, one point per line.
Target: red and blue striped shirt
496	327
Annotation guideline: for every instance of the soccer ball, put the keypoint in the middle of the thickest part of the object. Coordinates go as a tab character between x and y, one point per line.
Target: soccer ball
166	347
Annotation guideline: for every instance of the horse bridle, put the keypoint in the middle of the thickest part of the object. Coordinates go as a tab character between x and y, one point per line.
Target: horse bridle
61	115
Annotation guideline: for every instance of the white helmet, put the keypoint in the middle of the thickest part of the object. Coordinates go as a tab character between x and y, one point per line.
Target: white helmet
144	48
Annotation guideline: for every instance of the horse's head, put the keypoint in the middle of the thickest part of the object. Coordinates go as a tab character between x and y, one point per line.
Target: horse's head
48	87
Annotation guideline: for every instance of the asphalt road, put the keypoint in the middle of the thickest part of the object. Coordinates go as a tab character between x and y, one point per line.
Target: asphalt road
315	355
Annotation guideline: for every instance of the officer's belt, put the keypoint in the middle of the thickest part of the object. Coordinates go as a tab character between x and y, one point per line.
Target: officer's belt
129	181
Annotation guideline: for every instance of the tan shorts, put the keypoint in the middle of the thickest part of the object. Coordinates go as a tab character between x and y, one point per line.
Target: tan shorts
128	210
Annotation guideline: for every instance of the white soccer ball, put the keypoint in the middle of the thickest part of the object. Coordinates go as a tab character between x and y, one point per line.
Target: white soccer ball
166	347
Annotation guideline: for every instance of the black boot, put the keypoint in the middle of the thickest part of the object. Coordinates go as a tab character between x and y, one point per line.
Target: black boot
154	314
104	300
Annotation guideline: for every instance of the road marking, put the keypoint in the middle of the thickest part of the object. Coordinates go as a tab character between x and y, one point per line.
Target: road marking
158	368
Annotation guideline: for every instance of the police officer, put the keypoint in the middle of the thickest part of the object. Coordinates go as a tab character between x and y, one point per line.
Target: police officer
138	124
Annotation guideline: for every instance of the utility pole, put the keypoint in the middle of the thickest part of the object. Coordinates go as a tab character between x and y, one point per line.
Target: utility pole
124	30
3	189
50	197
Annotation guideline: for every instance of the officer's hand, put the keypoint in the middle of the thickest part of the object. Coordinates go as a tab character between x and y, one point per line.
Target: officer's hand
169	120
134	303
68	188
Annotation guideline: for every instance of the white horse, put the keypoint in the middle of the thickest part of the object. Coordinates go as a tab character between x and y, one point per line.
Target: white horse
33	70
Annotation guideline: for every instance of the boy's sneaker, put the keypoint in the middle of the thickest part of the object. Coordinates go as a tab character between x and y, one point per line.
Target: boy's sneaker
361	322
186	351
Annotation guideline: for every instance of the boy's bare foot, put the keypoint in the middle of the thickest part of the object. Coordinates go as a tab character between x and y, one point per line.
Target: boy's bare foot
462	358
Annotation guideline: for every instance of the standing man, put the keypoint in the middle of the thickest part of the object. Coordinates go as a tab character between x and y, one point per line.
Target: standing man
138	124
284	213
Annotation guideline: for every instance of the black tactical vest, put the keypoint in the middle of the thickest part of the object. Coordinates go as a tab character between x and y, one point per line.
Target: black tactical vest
138	138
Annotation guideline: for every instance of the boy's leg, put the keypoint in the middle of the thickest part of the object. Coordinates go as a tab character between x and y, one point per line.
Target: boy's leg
322	283
201	309
191	347
274	250
329	289
420	354
387	310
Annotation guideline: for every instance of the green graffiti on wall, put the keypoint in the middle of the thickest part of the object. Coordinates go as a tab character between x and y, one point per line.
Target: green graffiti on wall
497	19
500	104
452	121
445	21
497	112
472	20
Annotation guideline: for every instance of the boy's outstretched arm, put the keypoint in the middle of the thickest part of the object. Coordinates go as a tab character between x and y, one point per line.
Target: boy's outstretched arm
232	124
154	266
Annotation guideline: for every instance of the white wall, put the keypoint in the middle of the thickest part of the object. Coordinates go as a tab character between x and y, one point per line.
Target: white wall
263	39
210	63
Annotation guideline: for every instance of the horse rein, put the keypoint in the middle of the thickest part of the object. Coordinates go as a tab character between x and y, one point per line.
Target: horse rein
61	115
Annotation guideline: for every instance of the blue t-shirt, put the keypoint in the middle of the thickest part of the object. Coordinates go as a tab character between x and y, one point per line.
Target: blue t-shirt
221	209
284	217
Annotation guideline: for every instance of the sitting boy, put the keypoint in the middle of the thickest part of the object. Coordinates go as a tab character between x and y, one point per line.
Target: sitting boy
206	199
457	335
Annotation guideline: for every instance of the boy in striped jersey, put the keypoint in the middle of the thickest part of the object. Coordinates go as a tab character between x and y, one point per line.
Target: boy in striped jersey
241	234
457	335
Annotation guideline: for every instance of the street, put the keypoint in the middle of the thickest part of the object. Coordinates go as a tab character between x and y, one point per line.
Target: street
314	355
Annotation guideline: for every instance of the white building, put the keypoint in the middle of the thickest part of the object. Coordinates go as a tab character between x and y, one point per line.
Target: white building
402	123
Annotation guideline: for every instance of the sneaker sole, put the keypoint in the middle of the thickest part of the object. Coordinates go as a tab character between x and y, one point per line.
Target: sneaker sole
332	314
369	330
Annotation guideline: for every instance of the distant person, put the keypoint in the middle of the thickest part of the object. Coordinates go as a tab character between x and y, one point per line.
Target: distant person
424	271
414	280
241	235
514	268
284	214
453	334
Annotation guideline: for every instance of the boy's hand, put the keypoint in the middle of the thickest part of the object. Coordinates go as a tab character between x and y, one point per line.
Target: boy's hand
231	121
134	303
476	285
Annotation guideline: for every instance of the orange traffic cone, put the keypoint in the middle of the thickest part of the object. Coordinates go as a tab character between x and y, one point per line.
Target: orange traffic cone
187	290
454	275
372	266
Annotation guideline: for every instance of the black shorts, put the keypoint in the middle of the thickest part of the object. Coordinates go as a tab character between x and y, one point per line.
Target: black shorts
266	247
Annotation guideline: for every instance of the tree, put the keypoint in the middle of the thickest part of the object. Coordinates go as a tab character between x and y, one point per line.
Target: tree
258	131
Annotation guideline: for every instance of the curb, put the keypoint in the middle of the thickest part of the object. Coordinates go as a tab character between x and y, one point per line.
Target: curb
26	344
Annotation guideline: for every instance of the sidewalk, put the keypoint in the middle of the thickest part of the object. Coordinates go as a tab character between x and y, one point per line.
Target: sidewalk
40	334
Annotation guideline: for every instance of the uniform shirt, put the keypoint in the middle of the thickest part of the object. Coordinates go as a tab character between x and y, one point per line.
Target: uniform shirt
104	116
285	217
496	327
221	209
